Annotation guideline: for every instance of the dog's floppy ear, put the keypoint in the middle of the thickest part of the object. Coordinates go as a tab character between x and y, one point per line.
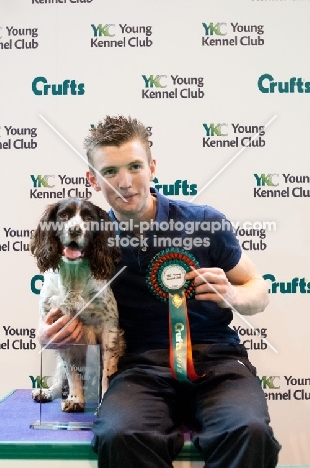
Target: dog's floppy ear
102	256
44	245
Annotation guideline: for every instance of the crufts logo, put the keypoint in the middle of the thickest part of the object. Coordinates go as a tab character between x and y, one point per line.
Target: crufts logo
266	179
36	283
103	30
40	86
296	285
177	188
41	181
215	130
154	81
270	382
267	84
218	29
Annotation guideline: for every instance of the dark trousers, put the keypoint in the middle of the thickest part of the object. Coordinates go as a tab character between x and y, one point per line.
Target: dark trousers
141	418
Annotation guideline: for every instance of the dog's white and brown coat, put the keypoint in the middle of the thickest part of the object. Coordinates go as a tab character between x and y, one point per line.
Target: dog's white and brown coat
73	253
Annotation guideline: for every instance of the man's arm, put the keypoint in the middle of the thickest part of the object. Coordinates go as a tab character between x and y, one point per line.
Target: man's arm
242	287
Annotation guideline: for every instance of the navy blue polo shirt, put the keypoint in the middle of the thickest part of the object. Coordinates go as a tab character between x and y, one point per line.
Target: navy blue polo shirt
143	317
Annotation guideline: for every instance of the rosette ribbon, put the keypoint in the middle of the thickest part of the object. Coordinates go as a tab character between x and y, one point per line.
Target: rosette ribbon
165	278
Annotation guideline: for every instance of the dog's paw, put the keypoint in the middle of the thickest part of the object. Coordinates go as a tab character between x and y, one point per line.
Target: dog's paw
73	404
42	395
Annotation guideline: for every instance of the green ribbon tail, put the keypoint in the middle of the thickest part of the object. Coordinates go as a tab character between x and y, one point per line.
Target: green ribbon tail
178	334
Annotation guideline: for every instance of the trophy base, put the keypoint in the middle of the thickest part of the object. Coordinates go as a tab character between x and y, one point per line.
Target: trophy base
67	426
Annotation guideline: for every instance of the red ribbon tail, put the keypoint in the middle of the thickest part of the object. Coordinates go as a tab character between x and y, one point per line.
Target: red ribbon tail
191	373
171	351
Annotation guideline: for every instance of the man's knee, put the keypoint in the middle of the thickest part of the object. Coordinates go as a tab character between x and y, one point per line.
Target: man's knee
257	430
109	440
155	448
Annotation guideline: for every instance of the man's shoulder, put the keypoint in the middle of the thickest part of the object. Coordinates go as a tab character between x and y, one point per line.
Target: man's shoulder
190	209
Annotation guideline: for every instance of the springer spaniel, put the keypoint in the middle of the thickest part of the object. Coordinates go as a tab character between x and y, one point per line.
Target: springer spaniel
72	251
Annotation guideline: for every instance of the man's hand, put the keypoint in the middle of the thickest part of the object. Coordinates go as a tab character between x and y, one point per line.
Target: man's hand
211	284
55	328
242	287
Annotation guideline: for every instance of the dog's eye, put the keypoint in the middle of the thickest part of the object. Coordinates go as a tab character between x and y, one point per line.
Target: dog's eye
88	218
63	216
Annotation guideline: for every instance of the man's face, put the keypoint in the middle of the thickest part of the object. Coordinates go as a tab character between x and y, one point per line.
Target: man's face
128	170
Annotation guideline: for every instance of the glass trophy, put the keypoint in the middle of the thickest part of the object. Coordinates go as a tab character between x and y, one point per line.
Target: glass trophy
69	390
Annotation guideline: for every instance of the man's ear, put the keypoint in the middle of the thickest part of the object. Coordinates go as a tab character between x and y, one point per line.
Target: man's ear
152	169
93	181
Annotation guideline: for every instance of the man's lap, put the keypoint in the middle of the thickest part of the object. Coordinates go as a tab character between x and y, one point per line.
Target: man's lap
144	387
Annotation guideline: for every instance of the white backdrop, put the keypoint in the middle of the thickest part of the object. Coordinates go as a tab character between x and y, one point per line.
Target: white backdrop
200	75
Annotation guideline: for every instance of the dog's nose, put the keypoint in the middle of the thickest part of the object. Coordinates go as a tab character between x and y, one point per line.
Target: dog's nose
75	230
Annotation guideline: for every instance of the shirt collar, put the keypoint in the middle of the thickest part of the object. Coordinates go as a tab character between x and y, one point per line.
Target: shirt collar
162	213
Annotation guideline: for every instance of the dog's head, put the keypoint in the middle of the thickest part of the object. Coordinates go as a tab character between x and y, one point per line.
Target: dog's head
75	229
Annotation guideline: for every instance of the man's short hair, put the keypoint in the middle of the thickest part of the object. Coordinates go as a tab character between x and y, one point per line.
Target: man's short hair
115	131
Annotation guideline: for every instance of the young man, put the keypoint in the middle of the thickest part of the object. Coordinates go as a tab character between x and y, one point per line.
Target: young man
152	396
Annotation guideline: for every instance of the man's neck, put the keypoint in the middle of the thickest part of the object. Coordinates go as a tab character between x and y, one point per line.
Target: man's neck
137	218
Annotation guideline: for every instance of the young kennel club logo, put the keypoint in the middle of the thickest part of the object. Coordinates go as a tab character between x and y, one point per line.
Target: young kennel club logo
125	35
231	34
19	38
18	338
37	2
12	244
154	81
175	86
293	387
214	134
69	186
103	30
41	181
215	130
13	140
218	29
252	338
269	382
291	189
39	382
266	179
